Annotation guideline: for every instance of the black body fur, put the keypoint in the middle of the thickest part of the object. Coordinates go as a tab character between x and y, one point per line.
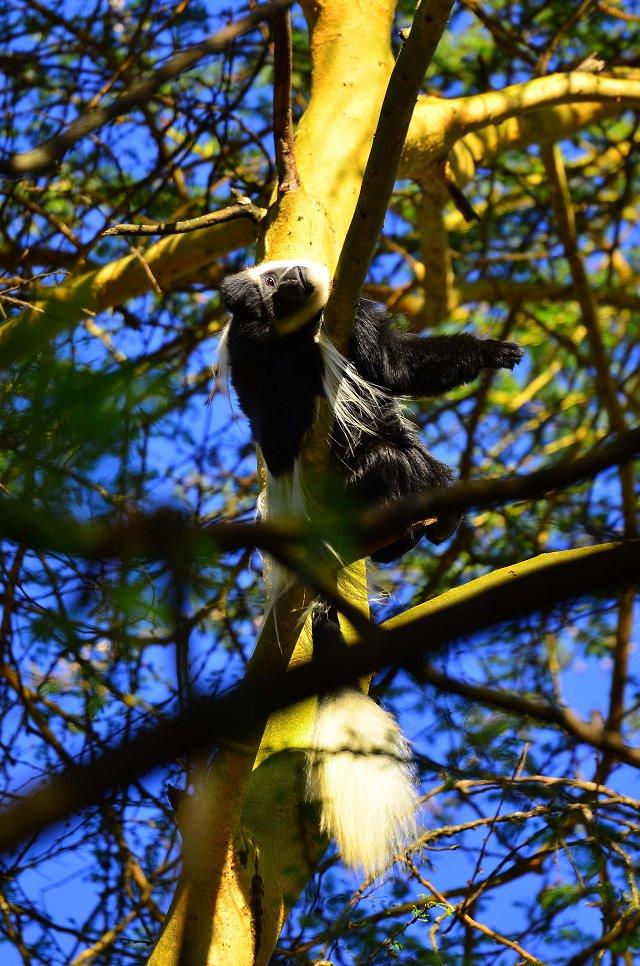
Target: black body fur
277	372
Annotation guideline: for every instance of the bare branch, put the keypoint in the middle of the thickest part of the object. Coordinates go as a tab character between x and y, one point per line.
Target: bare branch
288	179
40	158
625	926
542	711
191	224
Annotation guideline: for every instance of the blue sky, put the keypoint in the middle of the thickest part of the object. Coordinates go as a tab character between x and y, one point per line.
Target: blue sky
64	886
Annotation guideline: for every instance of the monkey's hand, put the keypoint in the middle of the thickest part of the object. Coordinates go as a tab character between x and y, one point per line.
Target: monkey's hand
500	355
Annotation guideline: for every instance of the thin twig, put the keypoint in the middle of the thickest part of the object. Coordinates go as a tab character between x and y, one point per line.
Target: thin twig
460	913
248	210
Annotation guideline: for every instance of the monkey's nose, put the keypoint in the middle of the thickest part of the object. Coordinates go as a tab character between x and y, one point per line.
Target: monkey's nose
303	277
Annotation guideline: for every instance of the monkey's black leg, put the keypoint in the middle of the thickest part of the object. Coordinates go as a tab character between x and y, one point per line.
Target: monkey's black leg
382	472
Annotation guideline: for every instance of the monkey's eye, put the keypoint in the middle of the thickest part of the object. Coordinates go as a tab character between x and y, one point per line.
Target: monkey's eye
270	280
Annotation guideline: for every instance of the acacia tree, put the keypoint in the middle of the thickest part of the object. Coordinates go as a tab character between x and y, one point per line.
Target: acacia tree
505	184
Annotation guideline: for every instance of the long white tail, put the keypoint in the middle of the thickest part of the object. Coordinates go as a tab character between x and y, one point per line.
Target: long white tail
361	773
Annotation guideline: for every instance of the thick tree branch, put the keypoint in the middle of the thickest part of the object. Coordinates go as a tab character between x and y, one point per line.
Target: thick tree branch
439	126
493	107
503	595
429	23
42	157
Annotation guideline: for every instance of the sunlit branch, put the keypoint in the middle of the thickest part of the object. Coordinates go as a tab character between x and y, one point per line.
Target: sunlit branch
429	23
163	228
493	107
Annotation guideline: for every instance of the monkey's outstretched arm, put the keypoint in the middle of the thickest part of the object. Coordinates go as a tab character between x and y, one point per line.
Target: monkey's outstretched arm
413	365
433	365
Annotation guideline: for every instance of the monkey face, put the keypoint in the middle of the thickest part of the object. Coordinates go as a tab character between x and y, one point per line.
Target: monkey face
276	298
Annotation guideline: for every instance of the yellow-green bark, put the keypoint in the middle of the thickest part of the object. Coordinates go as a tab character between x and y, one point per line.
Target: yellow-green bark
249	842
236	914
159	265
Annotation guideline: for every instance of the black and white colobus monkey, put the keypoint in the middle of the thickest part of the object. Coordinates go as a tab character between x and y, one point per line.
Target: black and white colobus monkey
280	362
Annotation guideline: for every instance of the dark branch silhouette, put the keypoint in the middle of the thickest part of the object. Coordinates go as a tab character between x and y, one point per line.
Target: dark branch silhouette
288	179
235	714
153	535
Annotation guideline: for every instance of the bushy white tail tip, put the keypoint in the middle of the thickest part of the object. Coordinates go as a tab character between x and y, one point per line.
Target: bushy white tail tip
360	772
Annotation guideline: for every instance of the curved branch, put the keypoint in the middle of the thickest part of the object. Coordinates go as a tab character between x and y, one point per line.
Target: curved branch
490	289
474	129
542	711
493	107
156	535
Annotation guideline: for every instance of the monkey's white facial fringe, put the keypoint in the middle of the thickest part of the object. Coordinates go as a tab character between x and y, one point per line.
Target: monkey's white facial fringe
223	369
360	772
318	275
354	401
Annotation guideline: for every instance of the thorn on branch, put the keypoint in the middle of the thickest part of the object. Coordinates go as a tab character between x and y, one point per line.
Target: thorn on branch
591	64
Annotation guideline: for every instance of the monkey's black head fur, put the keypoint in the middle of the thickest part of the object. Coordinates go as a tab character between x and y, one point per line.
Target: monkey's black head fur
276	298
